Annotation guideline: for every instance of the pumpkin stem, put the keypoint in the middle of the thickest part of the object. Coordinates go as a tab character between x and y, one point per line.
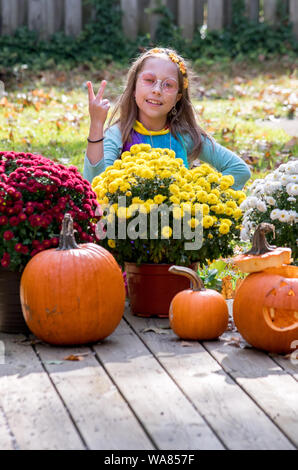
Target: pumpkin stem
259	242
67	240
196	282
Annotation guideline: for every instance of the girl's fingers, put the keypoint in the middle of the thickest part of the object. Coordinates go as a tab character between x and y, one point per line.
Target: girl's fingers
101	90
90	91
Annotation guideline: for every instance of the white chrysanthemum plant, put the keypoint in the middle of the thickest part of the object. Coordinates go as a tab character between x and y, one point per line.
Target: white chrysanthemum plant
274	200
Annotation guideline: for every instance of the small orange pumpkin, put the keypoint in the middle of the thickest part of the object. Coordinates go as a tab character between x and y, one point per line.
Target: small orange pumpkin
197	313
262	255
74	294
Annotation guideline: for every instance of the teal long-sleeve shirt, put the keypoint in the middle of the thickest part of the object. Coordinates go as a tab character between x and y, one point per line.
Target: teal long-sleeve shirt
221	158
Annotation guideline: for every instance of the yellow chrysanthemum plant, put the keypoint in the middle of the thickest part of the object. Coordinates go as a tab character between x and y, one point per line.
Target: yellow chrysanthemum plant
157	211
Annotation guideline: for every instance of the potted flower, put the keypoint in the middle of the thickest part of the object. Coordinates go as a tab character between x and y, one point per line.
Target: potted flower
35	193
274	200
157	213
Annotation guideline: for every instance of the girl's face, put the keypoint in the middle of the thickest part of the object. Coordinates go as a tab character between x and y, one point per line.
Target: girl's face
157	91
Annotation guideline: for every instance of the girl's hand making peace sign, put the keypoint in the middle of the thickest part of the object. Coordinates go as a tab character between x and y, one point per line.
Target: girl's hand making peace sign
98	107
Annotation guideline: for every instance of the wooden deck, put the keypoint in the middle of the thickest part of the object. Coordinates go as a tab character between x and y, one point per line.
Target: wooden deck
143	388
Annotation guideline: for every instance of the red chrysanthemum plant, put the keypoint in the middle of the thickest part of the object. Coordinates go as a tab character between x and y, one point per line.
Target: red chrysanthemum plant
35	193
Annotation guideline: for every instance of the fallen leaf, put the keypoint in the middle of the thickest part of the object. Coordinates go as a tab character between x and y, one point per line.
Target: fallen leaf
286	356
159	331
28	341
236	342
185	344
233	341
75	357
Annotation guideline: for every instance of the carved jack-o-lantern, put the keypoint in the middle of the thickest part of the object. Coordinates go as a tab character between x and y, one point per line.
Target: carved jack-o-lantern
266	307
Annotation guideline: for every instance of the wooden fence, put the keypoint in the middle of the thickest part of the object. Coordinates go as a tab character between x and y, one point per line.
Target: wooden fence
50	16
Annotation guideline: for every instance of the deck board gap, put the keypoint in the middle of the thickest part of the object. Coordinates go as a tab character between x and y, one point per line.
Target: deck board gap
5	422
175	382
151	439
61	398
251	396
278	362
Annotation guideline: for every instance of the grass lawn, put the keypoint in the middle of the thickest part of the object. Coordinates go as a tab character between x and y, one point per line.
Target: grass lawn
47	112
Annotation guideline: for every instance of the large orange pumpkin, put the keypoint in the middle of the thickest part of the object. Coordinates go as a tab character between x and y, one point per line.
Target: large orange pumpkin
74	294
265	308
197	313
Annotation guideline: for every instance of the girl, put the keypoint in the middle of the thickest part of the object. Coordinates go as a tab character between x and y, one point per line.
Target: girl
154	108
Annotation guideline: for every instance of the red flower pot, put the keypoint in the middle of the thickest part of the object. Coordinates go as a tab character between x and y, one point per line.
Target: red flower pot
151	288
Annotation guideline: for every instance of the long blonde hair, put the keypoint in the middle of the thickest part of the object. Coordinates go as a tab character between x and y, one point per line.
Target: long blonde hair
184	122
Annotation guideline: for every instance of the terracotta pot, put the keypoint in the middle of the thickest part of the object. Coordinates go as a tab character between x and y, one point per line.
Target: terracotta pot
151	288
11	316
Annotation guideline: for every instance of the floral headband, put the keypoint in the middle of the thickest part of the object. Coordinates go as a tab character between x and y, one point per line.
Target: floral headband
174	58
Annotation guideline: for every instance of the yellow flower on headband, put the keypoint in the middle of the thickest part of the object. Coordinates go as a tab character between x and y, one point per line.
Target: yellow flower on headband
182	68
173	57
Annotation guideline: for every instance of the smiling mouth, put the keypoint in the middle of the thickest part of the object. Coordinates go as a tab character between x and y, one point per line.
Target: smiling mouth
154	103
281	318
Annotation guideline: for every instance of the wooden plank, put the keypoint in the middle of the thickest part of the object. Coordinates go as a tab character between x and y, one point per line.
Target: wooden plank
154	18
95	404
44	16
289	363
35	415
54	13
88	13
9	16
52	10
172	5
36	16
143	17
215	14
252	8
23	13
234	417
199	12
169	417
186	17
272	388
228	7
130	18
270	13
72	17
294	16
6	438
